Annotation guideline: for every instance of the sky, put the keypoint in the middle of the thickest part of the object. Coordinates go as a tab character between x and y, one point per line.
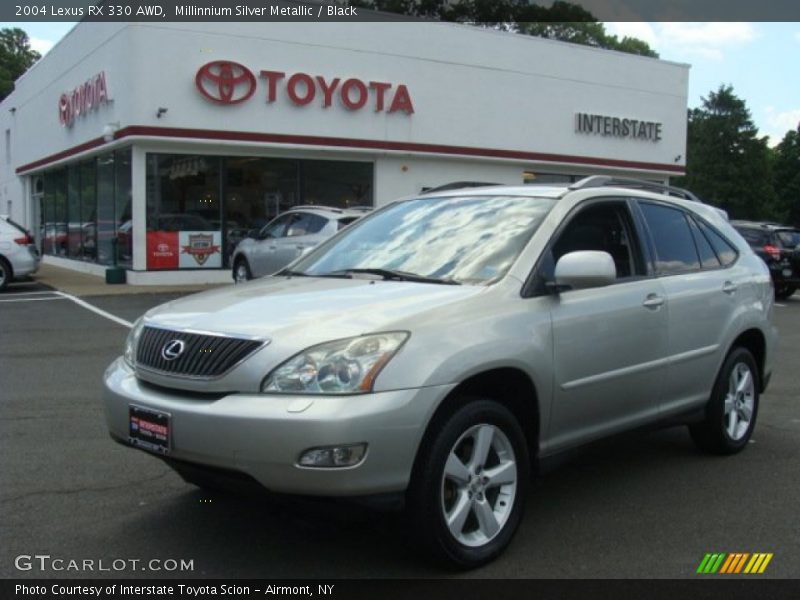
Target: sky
758	59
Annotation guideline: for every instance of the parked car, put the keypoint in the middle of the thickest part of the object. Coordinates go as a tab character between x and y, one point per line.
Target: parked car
779	247
444	347
19	257
288	236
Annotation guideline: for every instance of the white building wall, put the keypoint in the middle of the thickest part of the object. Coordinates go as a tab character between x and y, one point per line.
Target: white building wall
487	105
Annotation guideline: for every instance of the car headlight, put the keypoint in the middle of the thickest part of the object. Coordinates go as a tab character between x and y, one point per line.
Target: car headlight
347	366
132	342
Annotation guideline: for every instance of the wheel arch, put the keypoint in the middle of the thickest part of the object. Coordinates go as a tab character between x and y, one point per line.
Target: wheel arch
511	387
755	342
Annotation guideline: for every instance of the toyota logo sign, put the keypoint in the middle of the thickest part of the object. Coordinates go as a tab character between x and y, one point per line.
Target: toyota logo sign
225	82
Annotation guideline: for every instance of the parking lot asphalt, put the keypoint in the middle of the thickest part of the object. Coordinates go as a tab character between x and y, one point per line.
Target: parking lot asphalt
646	505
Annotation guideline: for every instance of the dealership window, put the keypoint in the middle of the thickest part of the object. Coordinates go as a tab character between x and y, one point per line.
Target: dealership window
122	206
256	190
337	183
200	207
84	208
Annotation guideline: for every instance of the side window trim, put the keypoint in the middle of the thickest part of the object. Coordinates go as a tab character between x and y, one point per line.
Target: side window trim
534	284
700	223
698	234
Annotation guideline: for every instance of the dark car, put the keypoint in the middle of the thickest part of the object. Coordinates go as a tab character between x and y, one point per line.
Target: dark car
779	247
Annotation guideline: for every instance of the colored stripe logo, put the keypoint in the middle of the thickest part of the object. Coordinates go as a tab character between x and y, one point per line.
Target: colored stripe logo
735	562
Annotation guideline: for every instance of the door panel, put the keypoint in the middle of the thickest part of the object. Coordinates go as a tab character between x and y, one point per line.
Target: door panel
609	352
702	305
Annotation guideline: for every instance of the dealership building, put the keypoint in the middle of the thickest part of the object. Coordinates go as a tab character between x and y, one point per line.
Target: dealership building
158	146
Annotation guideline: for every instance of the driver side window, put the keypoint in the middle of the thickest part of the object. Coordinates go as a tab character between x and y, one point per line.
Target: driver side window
276	228
605	227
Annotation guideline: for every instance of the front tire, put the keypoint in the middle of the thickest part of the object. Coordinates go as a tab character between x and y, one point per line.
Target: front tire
468	491
733	406
241	271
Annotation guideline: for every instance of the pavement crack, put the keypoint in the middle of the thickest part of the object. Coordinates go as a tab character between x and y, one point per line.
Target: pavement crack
109	488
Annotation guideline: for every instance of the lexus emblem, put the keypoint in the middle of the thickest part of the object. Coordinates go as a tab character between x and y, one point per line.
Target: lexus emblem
225	82
172	349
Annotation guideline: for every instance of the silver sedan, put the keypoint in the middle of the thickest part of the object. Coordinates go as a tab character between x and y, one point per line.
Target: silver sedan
287	237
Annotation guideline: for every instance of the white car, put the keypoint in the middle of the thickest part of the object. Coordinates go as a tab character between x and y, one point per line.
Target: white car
18	255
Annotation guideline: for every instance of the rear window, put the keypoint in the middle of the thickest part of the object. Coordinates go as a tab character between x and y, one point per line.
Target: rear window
754	237
675	246
789	239
342	223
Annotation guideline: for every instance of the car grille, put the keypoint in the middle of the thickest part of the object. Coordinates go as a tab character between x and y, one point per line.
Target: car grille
203	356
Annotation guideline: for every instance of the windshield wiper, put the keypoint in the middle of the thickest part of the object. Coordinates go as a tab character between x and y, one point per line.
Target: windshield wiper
392	274
290	273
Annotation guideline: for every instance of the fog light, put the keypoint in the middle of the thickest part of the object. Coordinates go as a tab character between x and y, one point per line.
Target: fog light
333	457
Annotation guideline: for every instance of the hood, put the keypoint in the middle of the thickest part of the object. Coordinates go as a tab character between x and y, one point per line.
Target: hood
311	308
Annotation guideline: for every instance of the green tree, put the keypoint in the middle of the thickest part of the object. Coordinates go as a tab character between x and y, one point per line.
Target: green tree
786	169
562	21
727	164
16	57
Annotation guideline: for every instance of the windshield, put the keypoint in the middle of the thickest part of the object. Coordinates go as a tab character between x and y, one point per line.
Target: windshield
469	239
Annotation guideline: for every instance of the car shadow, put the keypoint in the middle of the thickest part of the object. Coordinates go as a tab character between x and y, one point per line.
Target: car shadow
231	535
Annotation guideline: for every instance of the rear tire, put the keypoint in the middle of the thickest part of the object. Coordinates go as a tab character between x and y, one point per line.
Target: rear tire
733	407
241	271
468	490
784	292
6	275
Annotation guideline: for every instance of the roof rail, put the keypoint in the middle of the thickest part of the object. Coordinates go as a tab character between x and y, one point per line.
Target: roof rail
361	207
315	206
457	185
628	182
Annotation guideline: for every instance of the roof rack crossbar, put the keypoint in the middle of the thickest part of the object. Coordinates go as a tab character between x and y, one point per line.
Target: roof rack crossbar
629	182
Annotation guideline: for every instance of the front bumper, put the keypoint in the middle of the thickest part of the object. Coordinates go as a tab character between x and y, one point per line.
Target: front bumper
264	435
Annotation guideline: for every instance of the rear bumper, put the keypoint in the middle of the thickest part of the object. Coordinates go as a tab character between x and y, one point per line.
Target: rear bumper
263	436
24	263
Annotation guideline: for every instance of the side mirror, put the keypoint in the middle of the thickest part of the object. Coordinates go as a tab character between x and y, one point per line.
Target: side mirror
585	269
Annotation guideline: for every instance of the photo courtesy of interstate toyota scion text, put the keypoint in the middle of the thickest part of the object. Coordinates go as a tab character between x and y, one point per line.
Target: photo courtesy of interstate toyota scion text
443	347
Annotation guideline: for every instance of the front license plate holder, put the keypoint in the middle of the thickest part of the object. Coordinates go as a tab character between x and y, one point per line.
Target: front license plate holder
150	429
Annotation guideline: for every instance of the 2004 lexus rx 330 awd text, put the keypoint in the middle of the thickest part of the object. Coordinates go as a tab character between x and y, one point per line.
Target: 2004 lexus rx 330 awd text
443	347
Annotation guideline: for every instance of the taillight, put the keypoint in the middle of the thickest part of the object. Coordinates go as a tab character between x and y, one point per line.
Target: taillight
773	251
26	240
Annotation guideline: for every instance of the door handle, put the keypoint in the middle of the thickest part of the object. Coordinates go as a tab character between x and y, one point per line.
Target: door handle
653	301
729	287
300	247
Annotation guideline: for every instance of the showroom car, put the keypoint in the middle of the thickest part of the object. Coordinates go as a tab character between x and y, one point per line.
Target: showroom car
287	237
779	247
19	257
444	347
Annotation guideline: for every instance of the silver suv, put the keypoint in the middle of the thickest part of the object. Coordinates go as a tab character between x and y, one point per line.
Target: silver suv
444	346
18	255
288	236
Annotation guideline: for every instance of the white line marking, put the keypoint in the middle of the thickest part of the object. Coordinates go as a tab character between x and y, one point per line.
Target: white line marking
32	293
32	299
96	310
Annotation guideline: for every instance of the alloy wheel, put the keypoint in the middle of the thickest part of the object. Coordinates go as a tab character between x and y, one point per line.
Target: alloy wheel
479	485
241	274
739	401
